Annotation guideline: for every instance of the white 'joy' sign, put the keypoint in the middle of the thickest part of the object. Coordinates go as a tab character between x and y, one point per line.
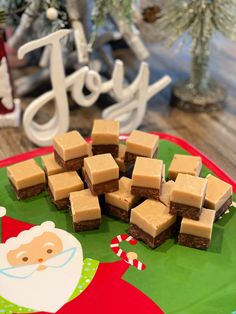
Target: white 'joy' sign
132	100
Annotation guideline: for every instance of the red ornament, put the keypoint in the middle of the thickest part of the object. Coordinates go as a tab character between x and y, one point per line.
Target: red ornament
9	107
6	105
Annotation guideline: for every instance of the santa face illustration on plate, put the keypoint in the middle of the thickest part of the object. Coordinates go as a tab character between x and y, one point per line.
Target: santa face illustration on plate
37	262
42	270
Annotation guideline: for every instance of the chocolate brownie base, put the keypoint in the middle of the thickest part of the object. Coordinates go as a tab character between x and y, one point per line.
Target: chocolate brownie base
128	172
139	234
193	241
72	164
145	192
62	204
185	211
31	191
101	188
104	149
81	174
116	212
87	225
130	157
46	176
102	202
223	208
178	226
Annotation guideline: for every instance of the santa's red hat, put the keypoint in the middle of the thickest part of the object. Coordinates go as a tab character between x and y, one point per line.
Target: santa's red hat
11	227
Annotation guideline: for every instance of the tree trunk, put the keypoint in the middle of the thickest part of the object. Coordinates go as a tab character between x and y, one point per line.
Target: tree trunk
201	54
200	93
200	68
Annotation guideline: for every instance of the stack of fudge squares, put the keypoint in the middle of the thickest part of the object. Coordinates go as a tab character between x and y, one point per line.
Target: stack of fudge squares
126	181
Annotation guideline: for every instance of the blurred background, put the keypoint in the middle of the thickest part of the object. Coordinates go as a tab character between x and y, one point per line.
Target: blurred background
186	40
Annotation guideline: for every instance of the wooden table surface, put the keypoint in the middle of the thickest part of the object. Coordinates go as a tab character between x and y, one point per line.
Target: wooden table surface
213	133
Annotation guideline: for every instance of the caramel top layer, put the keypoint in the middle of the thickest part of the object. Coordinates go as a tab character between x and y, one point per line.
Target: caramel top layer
122	198
70	145
50	165
217	193
189	190
89	150
147	173
105	132
101	168
142	144
122	149
120	159
164	173
84	206
166	191
200	228
62	184
185	164
152	217
26	174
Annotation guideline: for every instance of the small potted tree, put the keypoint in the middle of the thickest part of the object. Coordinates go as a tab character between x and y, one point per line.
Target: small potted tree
198	19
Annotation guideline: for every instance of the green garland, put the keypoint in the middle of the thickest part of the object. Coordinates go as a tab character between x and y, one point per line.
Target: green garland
121	8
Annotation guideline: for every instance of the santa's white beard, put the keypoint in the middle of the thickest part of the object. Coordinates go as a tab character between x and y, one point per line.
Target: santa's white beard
47	290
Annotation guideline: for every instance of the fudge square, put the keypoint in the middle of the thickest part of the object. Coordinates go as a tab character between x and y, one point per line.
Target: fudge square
120	160
70	149
101	174
50	165
61	185
218	195
86	211
152	223
188	195
197	234
185	164
119	203
166	191
141	144
147	177
105	137
26	178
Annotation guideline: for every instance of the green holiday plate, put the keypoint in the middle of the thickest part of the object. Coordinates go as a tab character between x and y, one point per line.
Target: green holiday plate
180	280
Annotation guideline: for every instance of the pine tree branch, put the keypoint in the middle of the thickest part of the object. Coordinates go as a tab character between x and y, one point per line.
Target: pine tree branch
175	20
26	22
122	8
224	17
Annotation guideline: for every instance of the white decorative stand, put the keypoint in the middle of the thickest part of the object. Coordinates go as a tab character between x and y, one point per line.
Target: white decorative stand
130	112
132	100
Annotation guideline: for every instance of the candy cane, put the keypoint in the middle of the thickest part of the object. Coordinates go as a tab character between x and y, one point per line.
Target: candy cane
131	257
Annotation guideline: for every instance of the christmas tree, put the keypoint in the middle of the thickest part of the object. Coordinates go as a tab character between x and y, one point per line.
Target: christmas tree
199	19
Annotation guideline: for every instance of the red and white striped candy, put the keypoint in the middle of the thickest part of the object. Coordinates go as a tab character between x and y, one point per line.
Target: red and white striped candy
115	246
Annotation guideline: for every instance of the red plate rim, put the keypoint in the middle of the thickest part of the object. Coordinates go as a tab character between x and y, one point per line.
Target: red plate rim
174	139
